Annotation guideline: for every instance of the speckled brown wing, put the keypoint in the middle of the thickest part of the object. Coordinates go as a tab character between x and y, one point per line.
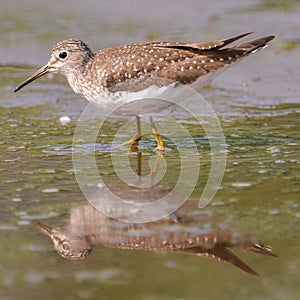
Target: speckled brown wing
211	58
135	67
196	47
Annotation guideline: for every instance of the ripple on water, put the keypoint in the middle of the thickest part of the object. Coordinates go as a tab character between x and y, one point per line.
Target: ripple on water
50	190
23	222
16	199
242	184
274	212
100	276
56	150
38	278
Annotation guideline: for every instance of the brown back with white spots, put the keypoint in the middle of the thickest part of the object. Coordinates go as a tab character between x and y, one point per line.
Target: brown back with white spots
135	67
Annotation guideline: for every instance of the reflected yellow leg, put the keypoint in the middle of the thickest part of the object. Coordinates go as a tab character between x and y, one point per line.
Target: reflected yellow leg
154	171
160	143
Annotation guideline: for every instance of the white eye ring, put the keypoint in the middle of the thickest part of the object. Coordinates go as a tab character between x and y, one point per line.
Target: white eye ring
63	55
66	246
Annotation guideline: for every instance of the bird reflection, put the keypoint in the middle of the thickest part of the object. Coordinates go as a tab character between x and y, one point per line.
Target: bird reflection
68	246
185	232
188	230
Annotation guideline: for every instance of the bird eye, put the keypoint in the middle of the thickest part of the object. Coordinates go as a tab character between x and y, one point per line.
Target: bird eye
66	246
62	54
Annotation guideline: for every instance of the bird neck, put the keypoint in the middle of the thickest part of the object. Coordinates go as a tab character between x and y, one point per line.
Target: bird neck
81	83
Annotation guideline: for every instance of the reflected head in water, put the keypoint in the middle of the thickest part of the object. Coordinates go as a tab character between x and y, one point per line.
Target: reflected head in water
71	248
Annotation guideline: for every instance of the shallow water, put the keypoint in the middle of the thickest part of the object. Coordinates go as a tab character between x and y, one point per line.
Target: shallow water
257	103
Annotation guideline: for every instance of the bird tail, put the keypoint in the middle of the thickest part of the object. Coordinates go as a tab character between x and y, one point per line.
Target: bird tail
255	45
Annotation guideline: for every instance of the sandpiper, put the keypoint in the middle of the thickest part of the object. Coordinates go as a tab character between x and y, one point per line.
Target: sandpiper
121	72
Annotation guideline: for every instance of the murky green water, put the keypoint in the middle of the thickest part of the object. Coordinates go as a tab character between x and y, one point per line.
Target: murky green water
257	103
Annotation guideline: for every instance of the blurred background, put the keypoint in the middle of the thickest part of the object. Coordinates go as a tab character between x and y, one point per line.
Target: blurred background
257	103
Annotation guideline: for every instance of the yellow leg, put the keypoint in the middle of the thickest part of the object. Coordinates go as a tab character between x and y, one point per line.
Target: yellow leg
160	144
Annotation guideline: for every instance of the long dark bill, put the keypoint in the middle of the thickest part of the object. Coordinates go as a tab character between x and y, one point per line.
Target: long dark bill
44	228
42	71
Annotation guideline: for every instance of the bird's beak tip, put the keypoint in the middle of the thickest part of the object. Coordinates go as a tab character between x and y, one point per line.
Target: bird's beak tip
16	89
44	228
42	71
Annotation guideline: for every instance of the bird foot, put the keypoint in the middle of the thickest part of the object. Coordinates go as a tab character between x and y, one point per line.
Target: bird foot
133	144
